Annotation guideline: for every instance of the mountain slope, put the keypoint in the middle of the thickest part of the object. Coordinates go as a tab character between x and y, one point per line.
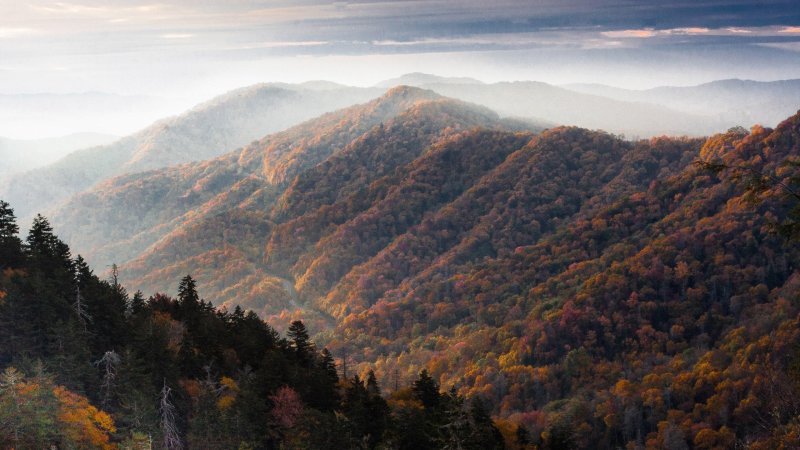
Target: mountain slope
245	192
607	292
208	130
666	302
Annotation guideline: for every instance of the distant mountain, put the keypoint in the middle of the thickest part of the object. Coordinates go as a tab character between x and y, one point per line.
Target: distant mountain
565	107
208	130
544	102
418	79
733	102
20	155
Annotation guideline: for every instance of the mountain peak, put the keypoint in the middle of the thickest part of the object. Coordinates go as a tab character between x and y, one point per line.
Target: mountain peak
405	91
422	79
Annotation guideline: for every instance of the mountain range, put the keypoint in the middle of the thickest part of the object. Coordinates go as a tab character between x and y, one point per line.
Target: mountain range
208	130
732	102
597	288
239	117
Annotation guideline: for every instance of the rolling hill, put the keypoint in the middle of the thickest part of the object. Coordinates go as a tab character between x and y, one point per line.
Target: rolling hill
208	130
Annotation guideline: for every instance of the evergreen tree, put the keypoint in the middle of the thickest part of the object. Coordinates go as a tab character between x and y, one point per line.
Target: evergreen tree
8	222
378	411
188	300
485	435
325	383
137	304
41	240
10	244
300	341
426	390
187	291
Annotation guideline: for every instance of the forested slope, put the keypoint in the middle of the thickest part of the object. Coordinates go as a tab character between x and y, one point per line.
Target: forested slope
208	130
606	293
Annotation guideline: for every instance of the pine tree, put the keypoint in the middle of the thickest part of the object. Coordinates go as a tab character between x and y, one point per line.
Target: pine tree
10	244
378	411
485	435
426	390
137	304
8	221
40	237
187	292
189	302
300	341
325	389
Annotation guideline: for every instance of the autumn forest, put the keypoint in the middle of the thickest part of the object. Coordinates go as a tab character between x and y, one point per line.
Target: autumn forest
410	272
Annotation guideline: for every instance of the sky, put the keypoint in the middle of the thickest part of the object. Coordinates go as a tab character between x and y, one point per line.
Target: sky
194	49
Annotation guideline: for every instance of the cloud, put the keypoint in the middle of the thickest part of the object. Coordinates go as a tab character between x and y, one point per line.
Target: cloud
622	34
789	46
790	30
690	30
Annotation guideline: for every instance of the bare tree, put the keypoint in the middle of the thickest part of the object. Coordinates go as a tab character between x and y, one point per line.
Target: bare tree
80	308
108	363
172	438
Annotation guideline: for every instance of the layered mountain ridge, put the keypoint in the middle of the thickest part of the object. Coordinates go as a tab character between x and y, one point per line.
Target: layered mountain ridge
210	129
612	290
270	181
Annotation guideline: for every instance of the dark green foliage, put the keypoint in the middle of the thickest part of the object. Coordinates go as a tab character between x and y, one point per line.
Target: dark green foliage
300	342
10	244
426	390
234	383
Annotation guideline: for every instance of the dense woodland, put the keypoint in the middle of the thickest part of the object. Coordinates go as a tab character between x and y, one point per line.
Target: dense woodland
85	365
584	290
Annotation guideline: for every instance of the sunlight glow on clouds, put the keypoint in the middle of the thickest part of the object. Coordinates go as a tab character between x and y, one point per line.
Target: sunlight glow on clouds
189	48
617	34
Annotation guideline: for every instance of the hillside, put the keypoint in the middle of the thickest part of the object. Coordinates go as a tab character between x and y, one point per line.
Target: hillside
312	167
603	292
86	365
657	314
208	130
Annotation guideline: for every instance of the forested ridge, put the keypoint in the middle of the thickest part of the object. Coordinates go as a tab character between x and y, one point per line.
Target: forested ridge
587	290
86	365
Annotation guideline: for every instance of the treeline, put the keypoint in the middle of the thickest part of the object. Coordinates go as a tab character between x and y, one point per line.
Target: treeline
86	365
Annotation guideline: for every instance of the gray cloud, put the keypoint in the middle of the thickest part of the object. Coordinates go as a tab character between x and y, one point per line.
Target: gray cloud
194	47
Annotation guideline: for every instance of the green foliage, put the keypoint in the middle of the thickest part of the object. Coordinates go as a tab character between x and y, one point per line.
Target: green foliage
171	372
